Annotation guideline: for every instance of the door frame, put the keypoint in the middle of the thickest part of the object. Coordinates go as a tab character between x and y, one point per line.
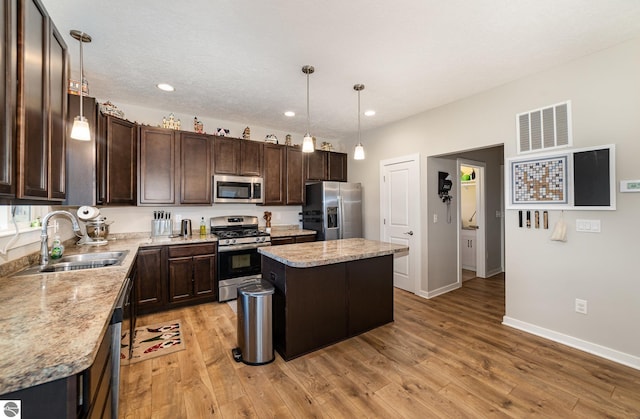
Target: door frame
416	246
481	259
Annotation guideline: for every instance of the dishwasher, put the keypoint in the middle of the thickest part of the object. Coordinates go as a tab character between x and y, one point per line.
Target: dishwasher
123	304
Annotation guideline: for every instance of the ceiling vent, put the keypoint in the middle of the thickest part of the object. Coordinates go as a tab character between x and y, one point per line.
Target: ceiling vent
544	128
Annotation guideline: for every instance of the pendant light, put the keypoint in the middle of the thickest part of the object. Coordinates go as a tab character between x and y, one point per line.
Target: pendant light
80	130
307	142
358	153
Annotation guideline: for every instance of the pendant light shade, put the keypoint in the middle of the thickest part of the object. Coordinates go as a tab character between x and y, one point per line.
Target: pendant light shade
80	130
307	142
358	153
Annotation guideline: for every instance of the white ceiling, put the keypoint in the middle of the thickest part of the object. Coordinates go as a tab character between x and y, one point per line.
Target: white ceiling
241	60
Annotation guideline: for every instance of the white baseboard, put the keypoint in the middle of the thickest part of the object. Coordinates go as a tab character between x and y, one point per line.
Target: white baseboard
439	291
494	272
592	348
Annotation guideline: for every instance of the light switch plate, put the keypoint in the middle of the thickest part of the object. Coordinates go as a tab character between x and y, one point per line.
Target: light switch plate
588	226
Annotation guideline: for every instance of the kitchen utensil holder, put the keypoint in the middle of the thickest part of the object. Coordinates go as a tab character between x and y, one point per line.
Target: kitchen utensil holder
161	228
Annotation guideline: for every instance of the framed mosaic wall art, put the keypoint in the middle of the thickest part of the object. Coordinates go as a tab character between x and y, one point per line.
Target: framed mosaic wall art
540	181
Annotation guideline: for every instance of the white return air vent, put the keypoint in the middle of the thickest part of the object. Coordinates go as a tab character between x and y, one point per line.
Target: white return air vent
544	128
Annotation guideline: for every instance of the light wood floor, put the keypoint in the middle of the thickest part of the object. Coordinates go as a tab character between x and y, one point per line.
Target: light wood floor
444	357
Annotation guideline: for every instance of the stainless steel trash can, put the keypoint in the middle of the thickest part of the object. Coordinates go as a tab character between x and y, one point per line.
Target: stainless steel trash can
255	330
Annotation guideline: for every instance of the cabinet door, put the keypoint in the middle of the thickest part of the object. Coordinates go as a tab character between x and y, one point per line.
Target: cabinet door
117	162
316	165
157	166
33	145
295	176
150	279
337	167
180	279
250	158
58	77
8	86
226	156
274	172
195	169
204	273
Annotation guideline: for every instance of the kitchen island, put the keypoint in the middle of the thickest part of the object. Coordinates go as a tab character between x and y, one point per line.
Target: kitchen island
328	291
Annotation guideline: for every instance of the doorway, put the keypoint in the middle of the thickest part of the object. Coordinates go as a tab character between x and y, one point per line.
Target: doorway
400	216
471	219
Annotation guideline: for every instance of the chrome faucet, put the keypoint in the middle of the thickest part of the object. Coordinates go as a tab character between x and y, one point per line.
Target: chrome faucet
44	237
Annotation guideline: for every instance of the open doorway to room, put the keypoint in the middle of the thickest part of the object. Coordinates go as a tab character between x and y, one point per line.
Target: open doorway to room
471	222
477	177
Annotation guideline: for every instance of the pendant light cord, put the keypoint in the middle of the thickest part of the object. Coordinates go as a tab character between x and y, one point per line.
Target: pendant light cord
308	116
81	76
359	136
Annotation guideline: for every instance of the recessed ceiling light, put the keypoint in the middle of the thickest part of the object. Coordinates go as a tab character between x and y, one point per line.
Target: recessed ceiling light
369	113
290	114
166	87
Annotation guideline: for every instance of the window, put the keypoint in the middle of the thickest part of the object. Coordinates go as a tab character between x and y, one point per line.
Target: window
24	215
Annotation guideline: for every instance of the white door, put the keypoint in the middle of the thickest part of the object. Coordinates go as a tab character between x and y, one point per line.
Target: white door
400	216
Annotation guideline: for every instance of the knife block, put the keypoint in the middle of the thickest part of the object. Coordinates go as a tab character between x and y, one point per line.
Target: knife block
161	228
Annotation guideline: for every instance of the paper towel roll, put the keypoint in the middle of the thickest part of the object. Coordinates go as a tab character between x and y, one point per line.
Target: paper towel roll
87	213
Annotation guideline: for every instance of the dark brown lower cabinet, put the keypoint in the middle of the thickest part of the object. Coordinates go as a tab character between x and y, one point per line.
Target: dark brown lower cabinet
149	282
192	273
84	395
176	275
316	307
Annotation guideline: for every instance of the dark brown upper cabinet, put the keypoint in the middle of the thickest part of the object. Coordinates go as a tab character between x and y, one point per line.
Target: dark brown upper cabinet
233	156
158	166
174	167
316	165
294	176
336	166
274	174
8	92
195	168
326	165
42	74
116	159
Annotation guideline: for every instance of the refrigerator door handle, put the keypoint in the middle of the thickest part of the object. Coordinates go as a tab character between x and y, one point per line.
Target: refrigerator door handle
340	215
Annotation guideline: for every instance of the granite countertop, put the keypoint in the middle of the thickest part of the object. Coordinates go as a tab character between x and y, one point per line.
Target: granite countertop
52	324
307	255
289	232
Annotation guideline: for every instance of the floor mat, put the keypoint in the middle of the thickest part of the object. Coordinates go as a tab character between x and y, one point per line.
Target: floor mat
153	341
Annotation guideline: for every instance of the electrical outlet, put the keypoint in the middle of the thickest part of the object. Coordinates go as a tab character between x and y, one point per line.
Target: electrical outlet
435	218
581	306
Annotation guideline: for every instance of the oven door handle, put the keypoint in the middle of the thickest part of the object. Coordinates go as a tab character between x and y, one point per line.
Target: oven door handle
235	247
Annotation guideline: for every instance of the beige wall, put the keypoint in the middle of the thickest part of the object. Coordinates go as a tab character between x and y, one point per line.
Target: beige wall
543	278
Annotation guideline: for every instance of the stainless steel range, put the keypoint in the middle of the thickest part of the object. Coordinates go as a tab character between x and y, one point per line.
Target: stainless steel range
238	259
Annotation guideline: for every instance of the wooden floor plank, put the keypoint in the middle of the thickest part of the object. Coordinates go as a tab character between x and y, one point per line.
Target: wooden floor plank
449	356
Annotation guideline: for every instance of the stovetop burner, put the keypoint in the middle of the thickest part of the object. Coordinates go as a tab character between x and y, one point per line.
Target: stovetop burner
249	232
238	230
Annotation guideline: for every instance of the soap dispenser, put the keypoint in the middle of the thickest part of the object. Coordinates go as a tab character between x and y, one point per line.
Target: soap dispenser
58	249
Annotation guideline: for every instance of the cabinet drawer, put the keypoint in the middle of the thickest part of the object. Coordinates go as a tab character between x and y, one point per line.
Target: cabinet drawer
192	250
306	239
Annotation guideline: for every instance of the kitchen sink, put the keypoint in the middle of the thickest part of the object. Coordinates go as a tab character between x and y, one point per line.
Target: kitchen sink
77	262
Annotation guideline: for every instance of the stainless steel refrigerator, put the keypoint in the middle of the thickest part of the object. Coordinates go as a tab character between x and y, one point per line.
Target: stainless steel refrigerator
333	209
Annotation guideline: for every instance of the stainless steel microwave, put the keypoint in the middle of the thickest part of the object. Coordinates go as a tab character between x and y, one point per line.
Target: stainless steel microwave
237	190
